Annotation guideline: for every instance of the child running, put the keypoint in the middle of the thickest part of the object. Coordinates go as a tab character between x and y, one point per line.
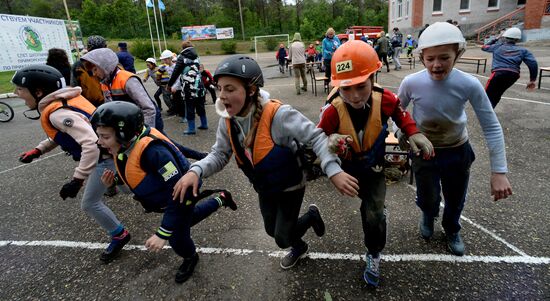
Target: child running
150	164
439	95
263	134
64	116
360	110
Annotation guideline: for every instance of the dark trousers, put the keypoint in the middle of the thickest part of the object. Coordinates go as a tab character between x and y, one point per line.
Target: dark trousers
212	91
188	216
384	58
179	103
157	95
499	82
327	70
192	104
448	171
280	213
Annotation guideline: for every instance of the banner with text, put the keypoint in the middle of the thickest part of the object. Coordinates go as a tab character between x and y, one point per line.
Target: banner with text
25	40
224	33
199	32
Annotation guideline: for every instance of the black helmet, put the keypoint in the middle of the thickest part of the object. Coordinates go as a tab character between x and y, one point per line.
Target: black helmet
124	117
43	77
243	67
96	42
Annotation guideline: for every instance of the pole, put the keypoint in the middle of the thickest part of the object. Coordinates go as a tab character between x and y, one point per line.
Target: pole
156	25
241	14
150	30
162	26
72	30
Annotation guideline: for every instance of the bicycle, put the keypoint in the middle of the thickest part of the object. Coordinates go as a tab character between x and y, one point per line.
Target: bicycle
6	112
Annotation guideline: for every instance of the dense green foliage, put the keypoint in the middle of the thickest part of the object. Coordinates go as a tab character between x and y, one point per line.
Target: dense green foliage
128	19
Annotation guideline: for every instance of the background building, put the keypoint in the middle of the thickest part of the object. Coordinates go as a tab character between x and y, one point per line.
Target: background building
478	19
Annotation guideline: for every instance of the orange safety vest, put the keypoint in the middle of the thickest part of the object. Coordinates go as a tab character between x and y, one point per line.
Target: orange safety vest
68	144
116	89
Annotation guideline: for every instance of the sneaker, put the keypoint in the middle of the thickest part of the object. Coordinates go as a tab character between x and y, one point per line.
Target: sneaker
426	226
293	256
111	191
455	244
372	271
203	127
227	200
114	248
317	224
304	89
183	120
186	268
189	133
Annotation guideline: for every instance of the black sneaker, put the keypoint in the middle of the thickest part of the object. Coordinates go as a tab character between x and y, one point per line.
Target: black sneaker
227	200
426	226
293	256
114	248
186	268
317	222
455	244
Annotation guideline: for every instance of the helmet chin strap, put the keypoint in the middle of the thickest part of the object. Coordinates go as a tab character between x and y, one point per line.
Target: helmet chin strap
33	93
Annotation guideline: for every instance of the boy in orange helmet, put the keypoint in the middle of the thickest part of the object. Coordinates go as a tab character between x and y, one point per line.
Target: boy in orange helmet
360	110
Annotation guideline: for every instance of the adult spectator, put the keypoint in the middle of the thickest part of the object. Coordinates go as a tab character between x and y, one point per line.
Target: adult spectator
382	46
125	58
396	44
297	55
91	88
507	58
58	59
330	44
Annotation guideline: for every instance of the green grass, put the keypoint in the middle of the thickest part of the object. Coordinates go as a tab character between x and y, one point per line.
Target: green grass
5	82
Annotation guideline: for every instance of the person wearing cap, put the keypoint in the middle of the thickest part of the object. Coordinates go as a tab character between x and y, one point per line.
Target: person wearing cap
151	72
163	75
439	95
125	58
263	134
507	59
118	84
91	88
64	116
356	120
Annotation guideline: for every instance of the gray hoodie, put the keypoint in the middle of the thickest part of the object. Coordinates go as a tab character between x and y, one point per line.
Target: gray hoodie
107	60
288	124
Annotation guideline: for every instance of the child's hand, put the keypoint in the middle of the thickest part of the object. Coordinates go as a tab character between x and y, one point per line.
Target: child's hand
500	186
419	143
339	144
155	243
189	179
345	183
108	177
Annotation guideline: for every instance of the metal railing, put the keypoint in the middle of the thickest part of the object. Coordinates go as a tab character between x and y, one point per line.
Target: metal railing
506	21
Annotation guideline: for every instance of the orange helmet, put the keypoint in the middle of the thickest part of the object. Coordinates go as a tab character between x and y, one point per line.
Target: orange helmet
352	63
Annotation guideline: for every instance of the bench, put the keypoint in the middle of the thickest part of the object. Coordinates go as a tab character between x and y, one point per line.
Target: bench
408	60
392	149
479	61
317	64
546	69
310	67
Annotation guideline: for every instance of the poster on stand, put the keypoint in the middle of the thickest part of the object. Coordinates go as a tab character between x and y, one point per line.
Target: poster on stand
224	33
25	40
77	37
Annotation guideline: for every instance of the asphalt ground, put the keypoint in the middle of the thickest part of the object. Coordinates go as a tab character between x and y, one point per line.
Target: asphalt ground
49	248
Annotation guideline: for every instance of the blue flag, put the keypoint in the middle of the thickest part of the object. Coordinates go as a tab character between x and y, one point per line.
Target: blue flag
161	5
149	3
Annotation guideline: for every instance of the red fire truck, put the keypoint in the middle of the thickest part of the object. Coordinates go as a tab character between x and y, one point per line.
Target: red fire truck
356	32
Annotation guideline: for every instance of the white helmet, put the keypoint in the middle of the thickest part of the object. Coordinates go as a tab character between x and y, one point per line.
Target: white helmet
166	54
512	33
409	36
441	33
151	60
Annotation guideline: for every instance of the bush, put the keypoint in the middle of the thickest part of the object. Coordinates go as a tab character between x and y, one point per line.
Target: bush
229	47
142	49
271	44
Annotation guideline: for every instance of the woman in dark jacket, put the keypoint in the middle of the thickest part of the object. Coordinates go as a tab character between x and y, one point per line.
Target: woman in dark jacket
58	59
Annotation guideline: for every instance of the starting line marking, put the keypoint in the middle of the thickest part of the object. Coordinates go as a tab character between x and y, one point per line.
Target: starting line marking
312	255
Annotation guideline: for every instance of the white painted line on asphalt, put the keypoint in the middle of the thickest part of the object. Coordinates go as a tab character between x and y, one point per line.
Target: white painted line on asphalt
29	164
313	255
480	227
